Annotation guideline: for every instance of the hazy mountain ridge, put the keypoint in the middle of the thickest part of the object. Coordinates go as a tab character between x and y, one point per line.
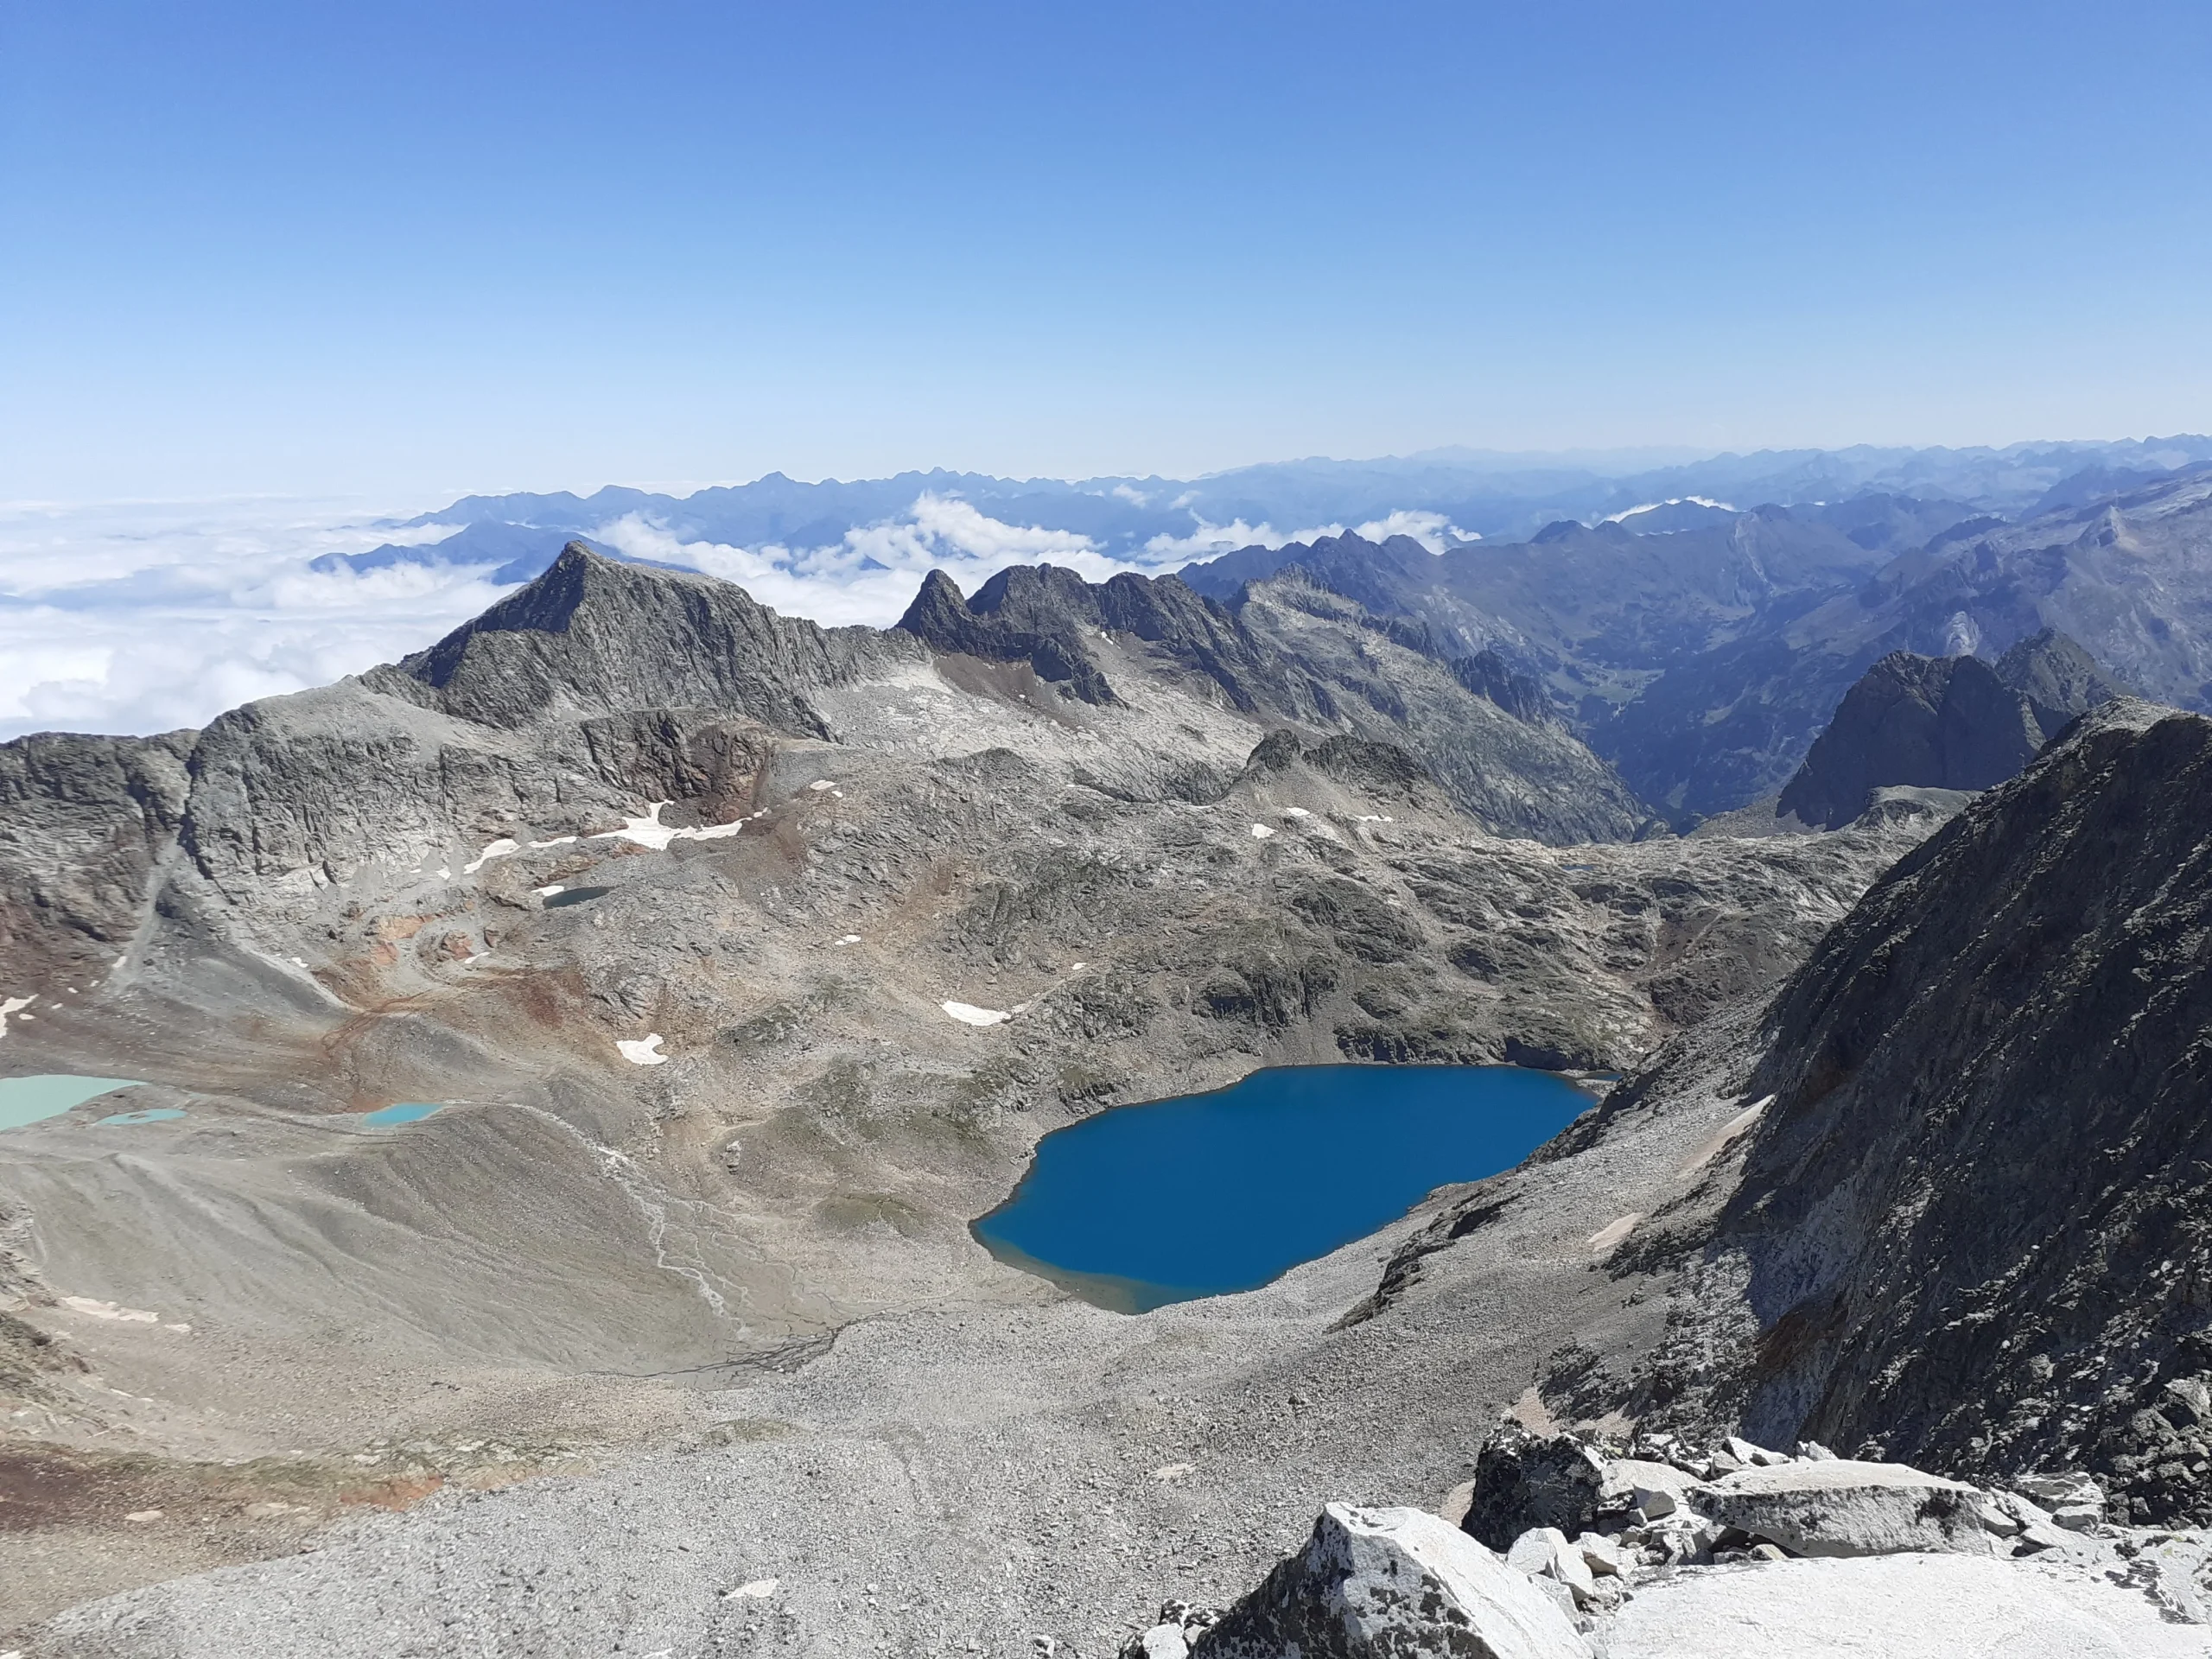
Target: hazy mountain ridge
1703	662
1498	497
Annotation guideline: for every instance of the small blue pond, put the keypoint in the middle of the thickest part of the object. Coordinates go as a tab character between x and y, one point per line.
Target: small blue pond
27	1100
1211	1193
155	1115
386	1116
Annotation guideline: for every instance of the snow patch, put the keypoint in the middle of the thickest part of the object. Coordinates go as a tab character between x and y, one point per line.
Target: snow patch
1296	812
821	783
500	848
969	1014
850	938
649	831
13	1005
557	841
100	1310
758	1590
646	1050
1613	1232
1260	832
547	892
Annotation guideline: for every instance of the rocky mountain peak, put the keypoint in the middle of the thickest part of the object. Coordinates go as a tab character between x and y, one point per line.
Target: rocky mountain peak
1034	613
594	634
1944	722
2058	678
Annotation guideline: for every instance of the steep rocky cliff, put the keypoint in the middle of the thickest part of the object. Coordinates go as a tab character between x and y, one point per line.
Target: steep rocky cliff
84	822
1975	1217
1961	1217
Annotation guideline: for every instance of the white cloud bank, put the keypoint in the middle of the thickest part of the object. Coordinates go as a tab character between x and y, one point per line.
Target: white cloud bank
147	617
871	576
1432	530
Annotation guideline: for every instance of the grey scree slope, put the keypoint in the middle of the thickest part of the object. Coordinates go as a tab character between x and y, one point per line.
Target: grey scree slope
737	1285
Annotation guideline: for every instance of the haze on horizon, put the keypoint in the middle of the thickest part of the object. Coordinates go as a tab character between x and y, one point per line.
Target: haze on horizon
263	249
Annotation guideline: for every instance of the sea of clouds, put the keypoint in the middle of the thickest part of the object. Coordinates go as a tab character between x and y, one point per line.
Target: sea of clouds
148	616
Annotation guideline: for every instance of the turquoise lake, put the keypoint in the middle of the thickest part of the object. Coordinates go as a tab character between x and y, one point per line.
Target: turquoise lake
27	1100
385	1117
1205	1194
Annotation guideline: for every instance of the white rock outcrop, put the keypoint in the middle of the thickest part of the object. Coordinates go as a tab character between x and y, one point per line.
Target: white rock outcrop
1844	1507
1544	1552
2075	1501
1656	1489
1373	1582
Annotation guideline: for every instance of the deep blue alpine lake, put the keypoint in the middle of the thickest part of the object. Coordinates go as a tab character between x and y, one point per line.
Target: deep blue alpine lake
1204	1194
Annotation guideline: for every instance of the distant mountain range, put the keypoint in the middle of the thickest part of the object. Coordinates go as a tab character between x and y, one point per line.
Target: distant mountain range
1442	496
1696	622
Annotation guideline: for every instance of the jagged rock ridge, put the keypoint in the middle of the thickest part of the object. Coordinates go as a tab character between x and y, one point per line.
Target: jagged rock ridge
1289	650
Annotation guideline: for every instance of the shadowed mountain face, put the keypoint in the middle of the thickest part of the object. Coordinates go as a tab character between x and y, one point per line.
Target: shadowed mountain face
1975	1216
1953	1200
1942	722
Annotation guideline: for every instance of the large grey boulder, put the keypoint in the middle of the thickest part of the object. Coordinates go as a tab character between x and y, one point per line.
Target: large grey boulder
1545	1553
1844	1507
1395	1583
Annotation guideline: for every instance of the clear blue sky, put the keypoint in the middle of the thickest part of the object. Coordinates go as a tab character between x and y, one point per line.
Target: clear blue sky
419	248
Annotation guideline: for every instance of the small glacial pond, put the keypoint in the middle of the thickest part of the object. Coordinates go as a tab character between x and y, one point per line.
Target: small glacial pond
27	1100
385	1117
1205	1194
155	1115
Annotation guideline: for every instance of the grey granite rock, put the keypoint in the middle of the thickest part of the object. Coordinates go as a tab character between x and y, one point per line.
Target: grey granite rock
1390	1584
1843	1508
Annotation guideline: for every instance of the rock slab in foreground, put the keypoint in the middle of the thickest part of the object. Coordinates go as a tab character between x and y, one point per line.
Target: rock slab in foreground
1843	1507
1390	1584
1896	1607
